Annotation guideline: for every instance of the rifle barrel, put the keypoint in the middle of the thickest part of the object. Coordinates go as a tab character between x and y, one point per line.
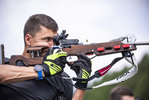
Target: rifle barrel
139	43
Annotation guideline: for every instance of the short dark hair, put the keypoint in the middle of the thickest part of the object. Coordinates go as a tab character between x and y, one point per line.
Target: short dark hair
32	26
119	91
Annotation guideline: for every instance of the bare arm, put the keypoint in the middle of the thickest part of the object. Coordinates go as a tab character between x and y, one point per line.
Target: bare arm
11	74
79	95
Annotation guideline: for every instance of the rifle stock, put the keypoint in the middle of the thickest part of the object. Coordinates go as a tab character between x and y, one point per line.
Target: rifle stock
27	61
2	56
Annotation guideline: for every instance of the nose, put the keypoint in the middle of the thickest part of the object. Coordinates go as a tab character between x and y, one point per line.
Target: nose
51	43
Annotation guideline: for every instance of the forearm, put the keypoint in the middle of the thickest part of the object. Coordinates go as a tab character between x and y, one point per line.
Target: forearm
79	94
11	74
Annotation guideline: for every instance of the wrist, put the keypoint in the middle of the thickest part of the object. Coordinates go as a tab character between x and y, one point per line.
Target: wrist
81	85
38	69
43	75
79	94
46	70
36	74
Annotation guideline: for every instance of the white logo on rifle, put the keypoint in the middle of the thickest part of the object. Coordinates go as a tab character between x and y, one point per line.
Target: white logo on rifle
122	75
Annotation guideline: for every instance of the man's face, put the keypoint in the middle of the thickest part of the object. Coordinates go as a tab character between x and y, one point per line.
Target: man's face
43	38
127	98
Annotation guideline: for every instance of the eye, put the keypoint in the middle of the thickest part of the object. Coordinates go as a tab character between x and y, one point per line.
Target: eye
48	39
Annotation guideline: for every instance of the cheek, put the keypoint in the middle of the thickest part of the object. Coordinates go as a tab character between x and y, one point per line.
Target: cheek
43	44
40	43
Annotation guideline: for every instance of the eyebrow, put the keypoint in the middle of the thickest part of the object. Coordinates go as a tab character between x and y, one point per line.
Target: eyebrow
46	37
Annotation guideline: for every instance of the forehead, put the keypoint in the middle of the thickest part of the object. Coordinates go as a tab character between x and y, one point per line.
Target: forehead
128	97
45	32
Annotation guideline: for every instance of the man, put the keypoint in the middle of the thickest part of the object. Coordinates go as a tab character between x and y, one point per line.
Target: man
121	93
26	83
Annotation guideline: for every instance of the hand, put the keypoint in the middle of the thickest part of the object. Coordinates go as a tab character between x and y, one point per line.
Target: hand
54	64
82	68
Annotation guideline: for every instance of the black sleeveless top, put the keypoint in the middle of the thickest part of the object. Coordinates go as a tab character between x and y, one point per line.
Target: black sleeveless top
46	89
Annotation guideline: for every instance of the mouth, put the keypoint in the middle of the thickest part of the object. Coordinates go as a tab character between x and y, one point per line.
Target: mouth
45	49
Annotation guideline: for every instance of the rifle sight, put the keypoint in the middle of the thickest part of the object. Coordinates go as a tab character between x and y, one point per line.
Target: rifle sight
63	42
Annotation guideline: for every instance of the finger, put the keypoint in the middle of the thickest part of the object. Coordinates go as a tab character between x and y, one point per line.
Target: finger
62	59
87	59
75	68
82	56
81	63
57	55
61	54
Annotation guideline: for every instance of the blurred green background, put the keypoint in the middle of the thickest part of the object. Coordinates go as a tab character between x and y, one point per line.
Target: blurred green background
139	83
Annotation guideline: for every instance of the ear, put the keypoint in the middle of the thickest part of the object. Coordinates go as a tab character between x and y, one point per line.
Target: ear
28	39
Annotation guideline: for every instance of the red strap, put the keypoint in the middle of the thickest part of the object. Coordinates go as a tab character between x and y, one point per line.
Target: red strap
104	70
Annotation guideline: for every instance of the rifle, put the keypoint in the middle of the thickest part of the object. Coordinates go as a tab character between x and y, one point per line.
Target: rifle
122	45
74	48
2	56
